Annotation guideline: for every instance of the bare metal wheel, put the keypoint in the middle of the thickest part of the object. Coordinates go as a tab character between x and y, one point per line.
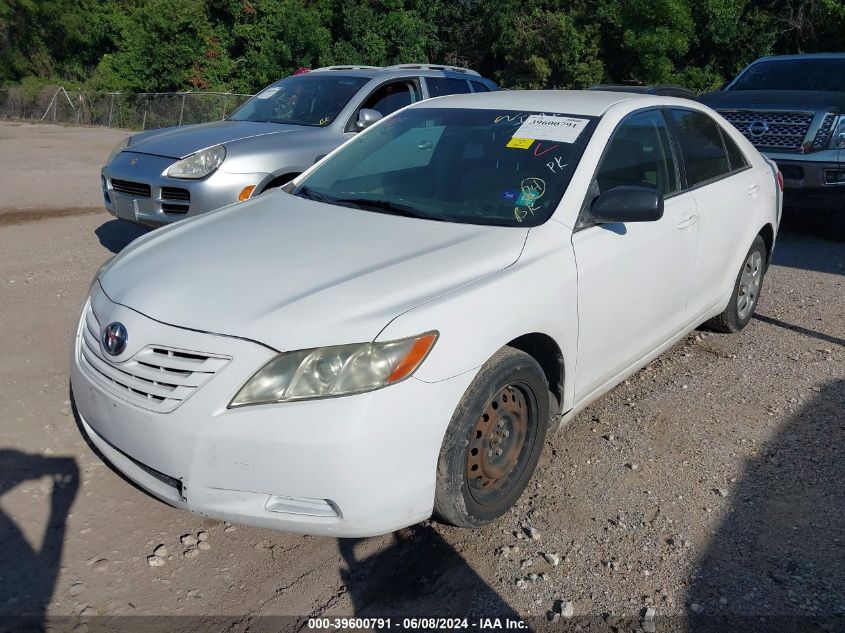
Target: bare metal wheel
749	284
746	291
494	440
497	452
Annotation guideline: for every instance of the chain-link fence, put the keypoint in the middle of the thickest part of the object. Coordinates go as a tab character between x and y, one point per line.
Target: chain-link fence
137	111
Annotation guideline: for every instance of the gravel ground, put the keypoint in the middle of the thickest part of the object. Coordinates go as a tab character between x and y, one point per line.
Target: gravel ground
709	483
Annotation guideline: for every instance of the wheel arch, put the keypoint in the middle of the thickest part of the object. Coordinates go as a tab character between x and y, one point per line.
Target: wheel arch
546	351
768	235
278	181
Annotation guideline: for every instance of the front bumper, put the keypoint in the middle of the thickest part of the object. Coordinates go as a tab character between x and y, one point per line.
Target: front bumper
167	199
347	467
812	181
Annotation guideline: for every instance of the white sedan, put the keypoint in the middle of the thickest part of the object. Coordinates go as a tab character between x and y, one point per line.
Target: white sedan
393	335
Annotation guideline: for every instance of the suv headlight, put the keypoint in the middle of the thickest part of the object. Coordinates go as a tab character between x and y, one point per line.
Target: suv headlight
118	148
198	165
338	370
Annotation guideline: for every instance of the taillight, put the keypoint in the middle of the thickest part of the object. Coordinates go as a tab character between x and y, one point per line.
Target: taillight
780	180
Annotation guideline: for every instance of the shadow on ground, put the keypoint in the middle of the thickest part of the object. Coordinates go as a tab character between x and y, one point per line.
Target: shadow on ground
28	572
805	242
780	553
116	235
420	575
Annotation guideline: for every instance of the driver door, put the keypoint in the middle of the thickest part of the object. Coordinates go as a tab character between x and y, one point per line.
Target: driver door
633	279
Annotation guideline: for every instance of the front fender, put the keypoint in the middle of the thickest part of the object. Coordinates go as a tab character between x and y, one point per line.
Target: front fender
537	293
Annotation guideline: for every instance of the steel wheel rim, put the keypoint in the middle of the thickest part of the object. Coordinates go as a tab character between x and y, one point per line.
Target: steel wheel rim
749	285
500	444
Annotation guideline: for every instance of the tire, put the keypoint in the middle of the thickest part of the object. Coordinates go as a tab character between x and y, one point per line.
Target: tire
512	392
746	291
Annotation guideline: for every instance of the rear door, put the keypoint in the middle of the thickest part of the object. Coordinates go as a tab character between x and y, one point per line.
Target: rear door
634	278
725	188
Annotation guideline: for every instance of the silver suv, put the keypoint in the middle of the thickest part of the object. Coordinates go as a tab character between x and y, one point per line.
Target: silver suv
162	176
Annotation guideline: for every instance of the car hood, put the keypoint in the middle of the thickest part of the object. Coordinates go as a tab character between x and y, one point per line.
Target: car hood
293	273
768	99
179	142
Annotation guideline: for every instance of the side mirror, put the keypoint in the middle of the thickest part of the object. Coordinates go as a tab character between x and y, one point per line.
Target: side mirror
366	117
627	204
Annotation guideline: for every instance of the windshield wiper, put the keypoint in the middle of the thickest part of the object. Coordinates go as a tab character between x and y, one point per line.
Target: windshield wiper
393	208
307	192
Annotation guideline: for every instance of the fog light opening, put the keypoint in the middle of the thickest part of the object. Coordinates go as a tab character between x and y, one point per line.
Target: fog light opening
246	192
834	176
302	506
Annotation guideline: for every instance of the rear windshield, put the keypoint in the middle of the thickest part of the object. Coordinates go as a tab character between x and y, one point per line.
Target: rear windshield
794	74
507	168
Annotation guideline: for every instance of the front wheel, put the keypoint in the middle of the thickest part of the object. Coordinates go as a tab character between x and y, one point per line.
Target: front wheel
493	442
746	291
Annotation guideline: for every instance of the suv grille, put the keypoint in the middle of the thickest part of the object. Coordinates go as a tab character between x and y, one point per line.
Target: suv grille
175	200
783	130
156	378
137	189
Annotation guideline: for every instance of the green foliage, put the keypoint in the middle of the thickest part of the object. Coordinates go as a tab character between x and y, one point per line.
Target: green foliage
242	45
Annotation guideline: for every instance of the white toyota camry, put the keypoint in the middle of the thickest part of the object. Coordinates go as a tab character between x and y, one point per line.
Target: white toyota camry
393	335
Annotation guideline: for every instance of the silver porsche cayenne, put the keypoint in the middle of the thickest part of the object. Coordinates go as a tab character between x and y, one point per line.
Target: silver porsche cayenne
161	176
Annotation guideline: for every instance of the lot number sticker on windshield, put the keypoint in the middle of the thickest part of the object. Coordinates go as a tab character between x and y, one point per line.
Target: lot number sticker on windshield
269	92
551	128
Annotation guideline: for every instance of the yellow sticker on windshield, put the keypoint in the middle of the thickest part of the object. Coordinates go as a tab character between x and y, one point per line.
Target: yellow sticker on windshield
520	143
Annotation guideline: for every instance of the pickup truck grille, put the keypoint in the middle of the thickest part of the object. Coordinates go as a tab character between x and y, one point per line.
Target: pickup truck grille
783	131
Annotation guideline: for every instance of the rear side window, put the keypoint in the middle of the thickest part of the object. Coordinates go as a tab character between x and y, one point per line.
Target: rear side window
700	138
439	86
735	156
477	86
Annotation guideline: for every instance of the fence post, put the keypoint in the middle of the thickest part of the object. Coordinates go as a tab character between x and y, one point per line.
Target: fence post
111	108
182	109
144	120
224	108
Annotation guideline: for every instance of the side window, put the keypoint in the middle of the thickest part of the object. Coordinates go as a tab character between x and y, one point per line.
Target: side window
391	97
439	86
477	86
736	158
701	144
640	155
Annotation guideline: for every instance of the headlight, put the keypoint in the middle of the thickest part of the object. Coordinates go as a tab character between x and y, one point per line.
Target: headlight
339	370
198	165
119	148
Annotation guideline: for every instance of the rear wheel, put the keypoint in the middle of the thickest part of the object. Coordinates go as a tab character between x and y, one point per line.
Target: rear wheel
746	292
493	442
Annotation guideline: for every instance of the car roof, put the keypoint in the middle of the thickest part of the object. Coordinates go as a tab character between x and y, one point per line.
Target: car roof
800	56
401	70
672	90
583	102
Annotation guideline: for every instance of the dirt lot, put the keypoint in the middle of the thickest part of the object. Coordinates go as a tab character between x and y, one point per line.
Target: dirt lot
709	483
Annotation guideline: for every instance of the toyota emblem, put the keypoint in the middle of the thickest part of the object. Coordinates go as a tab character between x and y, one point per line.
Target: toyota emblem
757	128
114	338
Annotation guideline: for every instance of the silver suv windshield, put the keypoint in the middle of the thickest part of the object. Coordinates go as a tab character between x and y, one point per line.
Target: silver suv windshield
794	74
310	99
507	168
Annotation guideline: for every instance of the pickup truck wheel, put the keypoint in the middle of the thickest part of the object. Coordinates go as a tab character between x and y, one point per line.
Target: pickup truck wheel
746	291
493	442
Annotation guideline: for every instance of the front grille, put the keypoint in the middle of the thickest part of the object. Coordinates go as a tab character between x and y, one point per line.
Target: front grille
137	189
175	193
823	135
156	378
175	200
785	131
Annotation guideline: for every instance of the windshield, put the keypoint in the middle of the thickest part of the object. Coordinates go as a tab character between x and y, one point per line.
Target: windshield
311	99
507	168
794	74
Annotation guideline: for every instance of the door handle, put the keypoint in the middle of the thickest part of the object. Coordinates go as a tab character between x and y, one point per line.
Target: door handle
753	190
687	221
